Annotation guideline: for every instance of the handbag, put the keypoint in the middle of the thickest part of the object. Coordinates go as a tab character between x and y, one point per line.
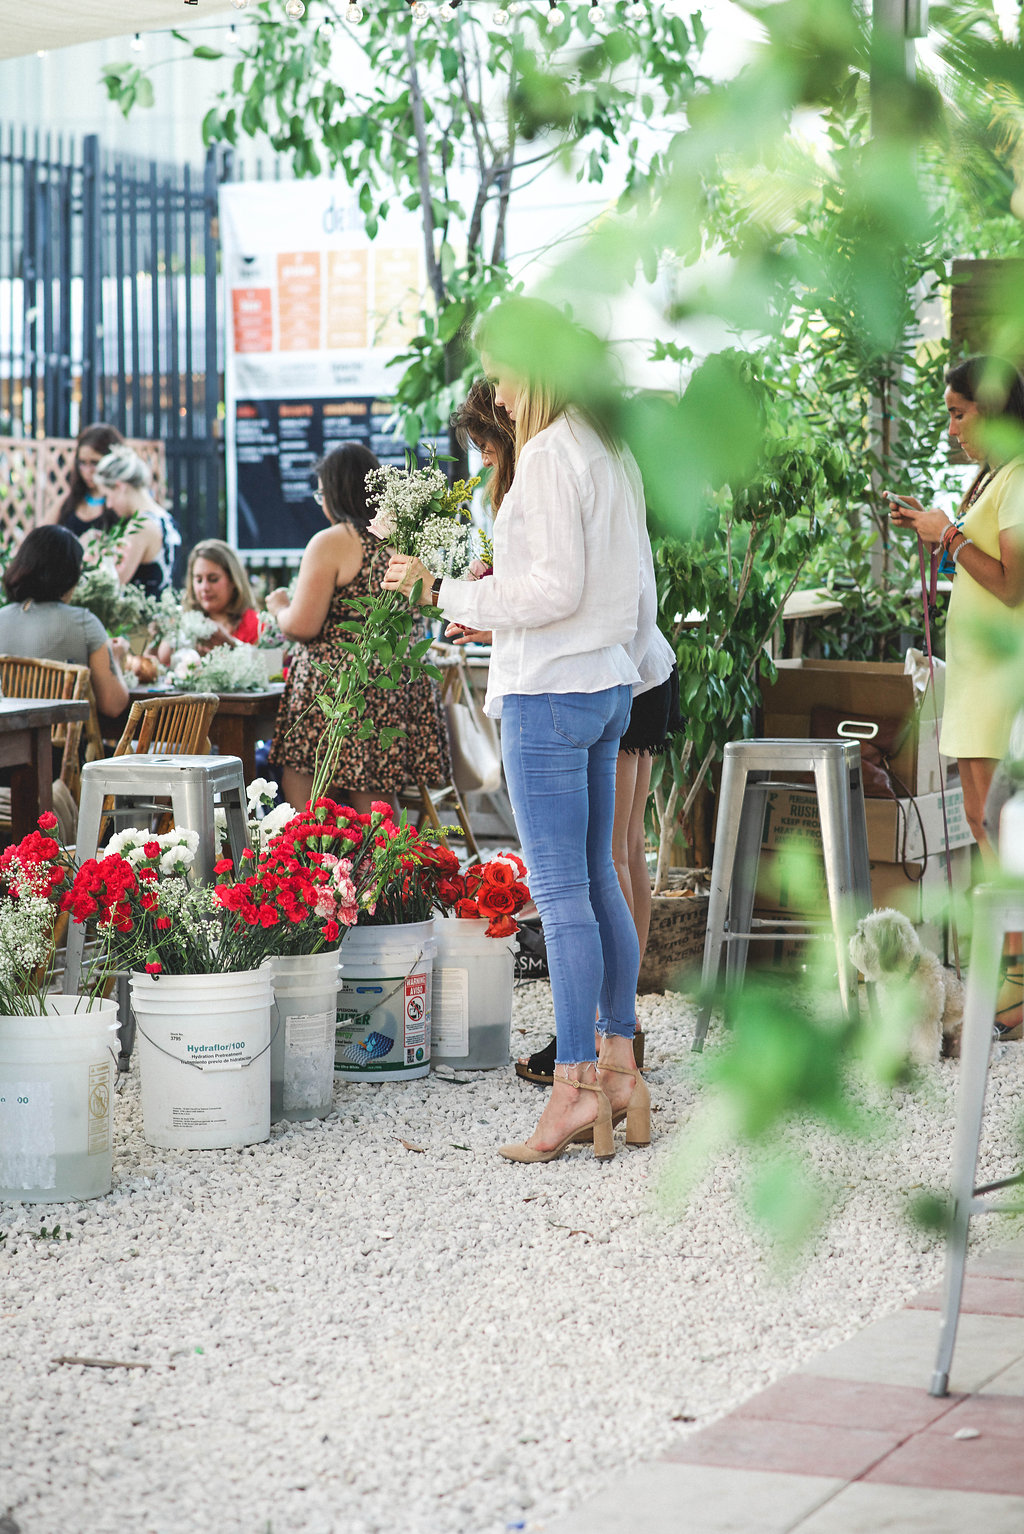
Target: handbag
879	738
475	744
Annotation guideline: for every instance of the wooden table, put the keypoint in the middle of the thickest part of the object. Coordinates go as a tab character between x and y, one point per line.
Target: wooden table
242	718
25	725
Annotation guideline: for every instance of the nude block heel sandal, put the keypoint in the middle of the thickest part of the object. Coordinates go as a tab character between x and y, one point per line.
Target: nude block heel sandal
600	1131
637	1111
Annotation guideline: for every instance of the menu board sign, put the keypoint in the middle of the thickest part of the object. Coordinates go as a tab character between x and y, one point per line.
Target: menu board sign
315	312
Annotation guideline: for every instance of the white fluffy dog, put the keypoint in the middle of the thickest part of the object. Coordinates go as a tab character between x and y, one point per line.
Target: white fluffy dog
886	949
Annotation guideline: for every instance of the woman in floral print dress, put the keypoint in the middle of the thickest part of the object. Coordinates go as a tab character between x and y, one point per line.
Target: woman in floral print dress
340	563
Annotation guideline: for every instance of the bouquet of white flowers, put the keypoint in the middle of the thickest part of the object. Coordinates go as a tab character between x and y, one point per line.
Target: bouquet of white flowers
418	512
227	668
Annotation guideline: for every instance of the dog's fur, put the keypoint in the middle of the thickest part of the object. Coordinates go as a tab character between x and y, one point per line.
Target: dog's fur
886	949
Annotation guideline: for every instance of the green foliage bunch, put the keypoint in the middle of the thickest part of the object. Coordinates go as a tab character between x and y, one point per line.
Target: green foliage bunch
449	120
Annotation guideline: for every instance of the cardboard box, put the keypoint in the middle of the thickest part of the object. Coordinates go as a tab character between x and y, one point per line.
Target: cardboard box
898	829
878	688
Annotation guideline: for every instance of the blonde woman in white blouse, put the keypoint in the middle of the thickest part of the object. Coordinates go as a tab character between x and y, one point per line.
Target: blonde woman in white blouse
560	610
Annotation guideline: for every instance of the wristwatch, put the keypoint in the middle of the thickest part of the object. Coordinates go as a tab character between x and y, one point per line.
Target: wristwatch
435	590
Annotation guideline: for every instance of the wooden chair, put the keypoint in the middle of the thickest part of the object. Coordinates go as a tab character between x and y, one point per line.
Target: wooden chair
174	725
23	677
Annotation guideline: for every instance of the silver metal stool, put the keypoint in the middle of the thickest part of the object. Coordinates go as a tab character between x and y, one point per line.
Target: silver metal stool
996	912
746	777
135	782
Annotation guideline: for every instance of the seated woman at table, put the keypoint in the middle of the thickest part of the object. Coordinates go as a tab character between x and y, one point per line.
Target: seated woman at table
39	621
341	562
147	549
84	508
217	585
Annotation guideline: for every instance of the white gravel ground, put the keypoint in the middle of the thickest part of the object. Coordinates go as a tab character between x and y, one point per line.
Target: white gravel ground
346	1336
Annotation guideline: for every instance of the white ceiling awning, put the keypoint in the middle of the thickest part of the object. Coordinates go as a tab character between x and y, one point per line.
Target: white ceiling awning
36	24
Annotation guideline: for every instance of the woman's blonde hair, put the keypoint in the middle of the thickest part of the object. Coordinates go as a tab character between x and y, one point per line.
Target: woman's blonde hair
122	465
546	353
220	553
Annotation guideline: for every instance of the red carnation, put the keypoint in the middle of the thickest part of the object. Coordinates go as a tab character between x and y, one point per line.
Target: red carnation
151	849
47	821
223	866
154	968
163	922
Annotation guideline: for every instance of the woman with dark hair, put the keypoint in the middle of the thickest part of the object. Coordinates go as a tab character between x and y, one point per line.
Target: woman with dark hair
985	542
339	563
485	423
40	623
84	508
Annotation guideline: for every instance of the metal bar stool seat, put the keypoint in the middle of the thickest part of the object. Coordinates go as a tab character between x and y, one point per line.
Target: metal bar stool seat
135	784
752	768
996	912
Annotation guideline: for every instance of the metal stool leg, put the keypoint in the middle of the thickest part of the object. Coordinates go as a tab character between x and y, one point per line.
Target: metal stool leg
730	812
90	816
832	780
234	806
192	806
744	880
991	922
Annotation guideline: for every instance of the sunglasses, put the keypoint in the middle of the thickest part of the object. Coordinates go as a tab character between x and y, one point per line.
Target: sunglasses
318	497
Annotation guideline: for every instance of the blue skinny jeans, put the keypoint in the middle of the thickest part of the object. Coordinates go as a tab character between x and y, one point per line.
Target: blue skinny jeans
559	752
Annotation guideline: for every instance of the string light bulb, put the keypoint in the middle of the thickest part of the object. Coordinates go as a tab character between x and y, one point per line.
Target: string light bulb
241	5
354	14
516	7
554	14
596	13
294	9
502	17
420	12
635	11
136	44
446	12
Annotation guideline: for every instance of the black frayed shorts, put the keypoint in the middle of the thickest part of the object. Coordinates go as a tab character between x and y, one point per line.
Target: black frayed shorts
654	718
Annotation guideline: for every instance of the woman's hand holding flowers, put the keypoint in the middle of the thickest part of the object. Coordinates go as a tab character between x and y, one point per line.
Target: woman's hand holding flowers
402	574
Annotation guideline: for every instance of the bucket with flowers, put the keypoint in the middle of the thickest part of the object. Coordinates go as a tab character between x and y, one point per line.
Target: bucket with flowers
383	1026
57	1064
475	964
202	986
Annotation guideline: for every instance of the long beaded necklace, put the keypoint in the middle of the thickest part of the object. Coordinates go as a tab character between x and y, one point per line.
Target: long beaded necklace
984	477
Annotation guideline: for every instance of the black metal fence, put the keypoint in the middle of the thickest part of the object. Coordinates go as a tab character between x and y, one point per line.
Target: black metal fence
108	307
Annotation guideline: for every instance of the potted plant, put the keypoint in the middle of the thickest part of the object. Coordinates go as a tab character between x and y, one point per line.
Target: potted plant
56	1061
474	968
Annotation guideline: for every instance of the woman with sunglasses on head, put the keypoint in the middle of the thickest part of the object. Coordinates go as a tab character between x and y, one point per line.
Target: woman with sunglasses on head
562	606
84	508
341	562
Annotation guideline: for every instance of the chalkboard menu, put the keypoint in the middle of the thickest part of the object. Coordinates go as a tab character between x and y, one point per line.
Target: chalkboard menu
277	444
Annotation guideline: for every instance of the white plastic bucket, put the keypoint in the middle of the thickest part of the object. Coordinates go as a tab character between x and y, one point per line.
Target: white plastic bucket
471	1015
56	1093
383	1025
302	1023
204	1058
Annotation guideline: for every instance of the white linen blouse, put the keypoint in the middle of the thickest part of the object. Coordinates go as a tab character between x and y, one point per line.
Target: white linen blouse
563	602
649	650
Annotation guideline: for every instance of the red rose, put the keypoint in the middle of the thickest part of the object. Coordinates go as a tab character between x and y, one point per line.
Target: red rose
501	926
493	900
498	873
467	909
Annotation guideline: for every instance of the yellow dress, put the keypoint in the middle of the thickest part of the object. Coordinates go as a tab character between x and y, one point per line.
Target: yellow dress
983	685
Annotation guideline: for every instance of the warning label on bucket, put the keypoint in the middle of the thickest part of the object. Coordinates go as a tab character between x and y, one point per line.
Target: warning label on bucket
417	1013
99	1108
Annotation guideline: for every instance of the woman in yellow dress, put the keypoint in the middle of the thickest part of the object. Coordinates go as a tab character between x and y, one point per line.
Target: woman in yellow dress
985	541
